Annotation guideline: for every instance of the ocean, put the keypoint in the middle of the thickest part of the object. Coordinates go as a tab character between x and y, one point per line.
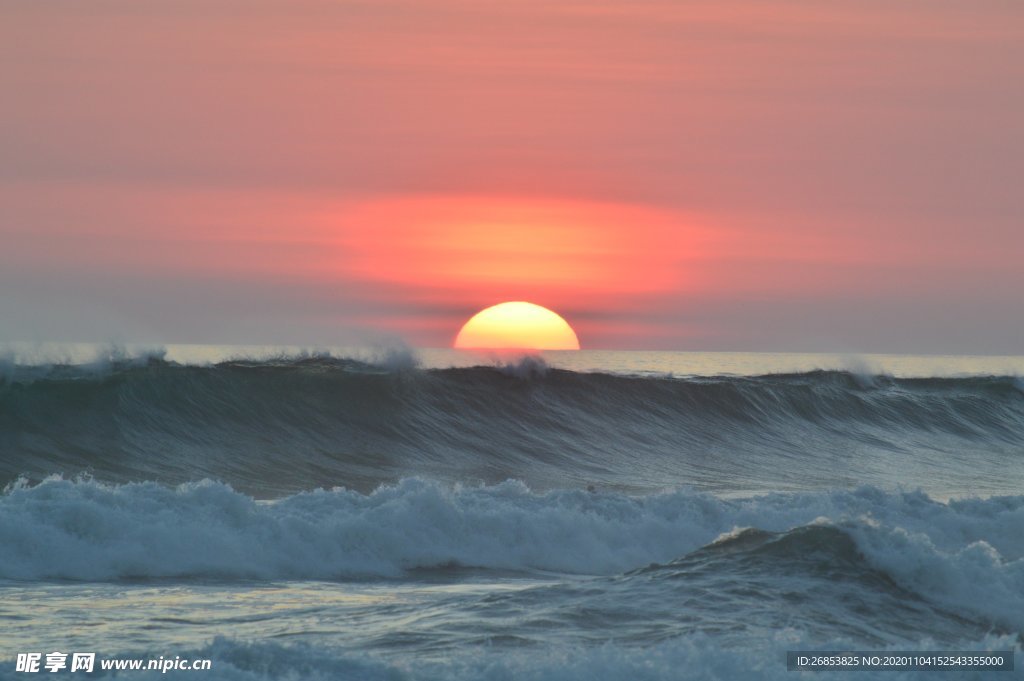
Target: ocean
403	514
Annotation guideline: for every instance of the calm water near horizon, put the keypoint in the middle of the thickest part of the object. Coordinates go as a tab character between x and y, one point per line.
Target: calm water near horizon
683	363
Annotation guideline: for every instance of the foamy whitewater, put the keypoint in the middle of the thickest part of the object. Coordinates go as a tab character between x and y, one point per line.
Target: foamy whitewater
392	515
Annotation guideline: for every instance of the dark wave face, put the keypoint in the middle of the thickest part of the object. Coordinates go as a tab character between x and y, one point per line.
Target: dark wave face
275	427
811	578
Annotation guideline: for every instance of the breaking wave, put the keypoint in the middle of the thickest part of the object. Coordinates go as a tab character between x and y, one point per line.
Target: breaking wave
280	426
966	555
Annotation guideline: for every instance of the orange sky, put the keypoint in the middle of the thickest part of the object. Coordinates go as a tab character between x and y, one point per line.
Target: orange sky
692	175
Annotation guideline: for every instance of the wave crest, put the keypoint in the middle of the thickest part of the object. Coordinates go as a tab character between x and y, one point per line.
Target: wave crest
281	425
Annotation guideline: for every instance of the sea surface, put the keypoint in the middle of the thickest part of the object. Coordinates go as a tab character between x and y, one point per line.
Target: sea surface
393	514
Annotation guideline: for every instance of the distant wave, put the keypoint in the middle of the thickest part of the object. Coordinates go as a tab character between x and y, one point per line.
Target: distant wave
965	555
278	426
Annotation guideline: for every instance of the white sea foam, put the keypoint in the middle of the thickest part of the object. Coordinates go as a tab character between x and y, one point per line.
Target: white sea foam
968	554
523	366
394	357
864	370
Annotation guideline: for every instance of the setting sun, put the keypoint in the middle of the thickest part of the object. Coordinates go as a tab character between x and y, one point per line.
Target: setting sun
517	326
